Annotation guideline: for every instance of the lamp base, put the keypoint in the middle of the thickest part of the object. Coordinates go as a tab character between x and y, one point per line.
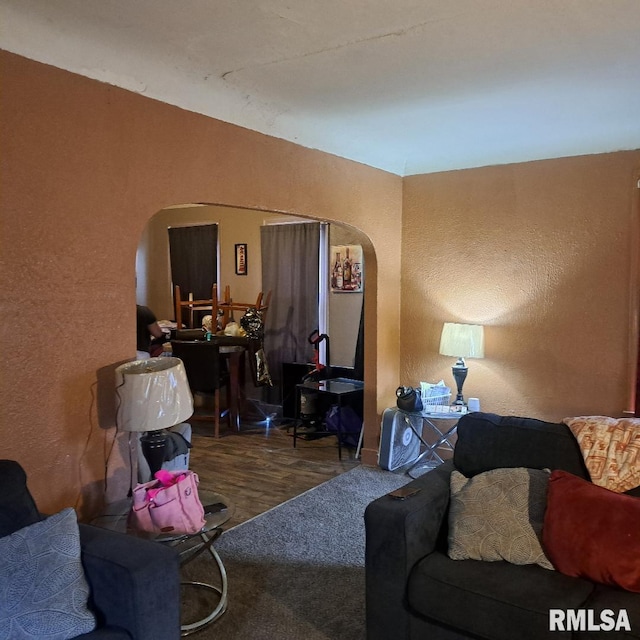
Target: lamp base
153	445
459	371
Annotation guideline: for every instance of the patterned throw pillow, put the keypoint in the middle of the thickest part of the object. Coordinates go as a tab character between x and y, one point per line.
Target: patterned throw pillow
498	515
611	450
43	590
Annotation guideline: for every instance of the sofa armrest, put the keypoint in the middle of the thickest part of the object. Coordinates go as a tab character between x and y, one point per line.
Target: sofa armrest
398	534
135	583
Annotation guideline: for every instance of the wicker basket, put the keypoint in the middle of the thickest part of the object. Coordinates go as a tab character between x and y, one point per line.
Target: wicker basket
435	397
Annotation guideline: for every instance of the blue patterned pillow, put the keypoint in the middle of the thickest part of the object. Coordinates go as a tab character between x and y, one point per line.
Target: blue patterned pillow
43	590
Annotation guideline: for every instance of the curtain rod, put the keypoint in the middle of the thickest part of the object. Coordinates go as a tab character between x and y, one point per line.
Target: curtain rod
266	223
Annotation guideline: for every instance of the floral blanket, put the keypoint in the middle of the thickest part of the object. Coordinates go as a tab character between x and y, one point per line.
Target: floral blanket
611	450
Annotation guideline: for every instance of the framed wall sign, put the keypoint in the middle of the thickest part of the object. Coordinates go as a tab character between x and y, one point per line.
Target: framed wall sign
346	268
241	259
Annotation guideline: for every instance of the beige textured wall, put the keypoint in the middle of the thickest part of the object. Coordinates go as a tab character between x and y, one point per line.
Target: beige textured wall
540	253
84	167
344	308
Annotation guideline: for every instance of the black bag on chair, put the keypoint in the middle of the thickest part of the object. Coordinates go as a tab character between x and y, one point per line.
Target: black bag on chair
408	399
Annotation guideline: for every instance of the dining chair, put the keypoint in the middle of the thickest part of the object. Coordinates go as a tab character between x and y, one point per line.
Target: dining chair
192	306
224	307
207	373
227	306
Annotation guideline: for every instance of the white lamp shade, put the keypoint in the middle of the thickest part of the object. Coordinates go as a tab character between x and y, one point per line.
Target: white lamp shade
462	340
153	394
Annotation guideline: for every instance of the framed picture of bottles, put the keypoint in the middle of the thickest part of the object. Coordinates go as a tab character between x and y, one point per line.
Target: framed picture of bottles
346	268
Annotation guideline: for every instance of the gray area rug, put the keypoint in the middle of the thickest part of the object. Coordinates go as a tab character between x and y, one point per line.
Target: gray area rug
297	571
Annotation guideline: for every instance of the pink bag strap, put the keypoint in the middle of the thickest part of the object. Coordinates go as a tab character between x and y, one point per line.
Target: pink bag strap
195	514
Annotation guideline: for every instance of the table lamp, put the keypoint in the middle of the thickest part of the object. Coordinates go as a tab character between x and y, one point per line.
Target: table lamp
461	341
153	395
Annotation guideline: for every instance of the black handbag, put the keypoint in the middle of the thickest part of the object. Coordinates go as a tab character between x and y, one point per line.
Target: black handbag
408	399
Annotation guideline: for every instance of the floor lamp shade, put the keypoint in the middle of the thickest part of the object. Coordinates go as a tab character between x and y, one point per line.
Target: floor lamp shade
153	394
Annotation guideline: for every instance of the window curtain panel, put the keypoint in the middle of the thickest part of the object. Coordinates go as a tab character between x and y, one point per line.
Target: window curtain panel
193	253
290	263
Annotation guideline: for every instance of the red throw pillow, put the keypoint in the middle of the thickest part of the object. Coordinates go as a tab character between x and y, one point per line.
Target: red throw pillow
591	532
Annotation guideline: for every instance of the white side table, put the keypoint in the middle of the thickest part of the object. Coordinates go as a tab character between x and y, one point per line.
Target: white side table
438	438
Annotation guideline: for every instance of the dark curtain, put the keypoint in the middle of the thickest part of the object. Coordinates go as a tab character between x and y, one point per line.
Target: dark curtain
193	255
290	262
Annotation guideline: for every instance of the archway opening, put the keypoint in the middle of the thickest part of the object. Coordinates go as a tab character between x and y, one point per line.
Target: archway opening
242	225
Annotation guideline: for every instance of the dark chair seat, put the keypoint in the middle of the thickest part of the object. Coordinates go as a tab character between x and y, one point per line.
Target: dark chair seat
207	373
497	595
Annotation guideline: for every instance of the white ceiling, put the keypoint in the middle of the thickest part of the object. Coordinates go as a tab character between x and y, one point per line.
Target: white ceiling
409	86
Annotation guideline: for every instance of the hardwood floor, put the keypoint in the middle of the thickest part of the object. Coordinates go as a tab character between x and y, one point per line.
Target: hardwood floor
258	468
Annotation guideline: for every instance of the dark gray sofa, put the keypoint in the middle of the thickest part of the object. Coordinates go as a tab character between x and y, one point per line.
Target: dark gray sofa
415	591
134	583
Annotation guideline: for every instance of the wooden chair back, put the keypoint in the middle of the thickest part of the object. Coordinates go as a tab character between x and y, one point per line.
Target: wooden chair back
225	307
190	305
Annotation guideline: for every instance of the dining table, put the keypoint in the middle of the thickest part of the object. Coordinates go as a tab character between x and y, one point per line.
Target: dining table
233	349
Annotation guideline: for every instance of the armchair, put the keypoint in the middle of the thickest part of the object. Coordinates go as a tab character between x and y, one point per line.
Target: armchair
134	583
415	590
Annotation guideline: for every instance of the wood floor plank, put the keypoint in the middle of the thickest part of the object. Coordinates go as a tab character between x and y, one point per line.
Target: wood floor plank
258	468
